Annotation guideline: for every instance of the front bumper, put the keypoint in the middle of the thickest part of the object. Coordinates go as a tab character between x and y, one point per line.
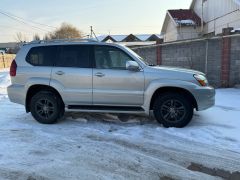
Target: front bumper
205	97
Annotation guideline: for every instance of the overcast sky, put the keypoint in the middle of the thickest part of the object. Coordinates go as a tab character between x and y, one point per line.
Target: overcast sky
106	16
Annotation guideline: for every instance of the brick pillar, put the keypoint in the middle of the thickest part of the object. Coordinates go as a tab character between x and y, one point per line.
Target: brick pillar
225	63
159	52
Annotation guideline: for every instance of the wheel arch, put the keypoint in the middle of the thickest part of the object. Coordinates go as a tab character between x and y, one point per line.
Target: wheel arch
171	89
34	89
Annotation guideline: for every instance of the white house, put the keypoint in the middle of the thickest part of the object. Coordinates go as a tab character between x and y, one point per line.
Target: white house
213	16
181	24
217	14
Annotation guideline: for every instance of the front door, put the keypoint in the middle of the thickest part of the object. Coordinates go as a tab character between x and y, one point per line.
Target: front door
113	84
72	74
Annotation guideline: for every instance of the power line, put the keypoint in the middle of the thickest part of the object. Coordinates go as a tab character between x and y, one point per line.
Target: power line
22	22
15	28
27	20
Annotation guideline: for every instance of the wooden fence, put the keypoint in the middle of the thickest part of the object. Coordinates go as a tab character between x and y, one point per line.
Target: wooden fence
6	60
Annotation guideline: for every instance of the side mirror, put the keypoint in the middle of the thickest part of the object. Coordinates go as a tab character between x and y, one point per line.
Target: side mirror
132	66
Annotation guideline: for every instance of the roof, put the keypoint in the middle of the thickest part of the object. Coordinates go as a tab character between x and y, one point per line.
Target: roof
143	37
119	38
185	17
116	37
101	38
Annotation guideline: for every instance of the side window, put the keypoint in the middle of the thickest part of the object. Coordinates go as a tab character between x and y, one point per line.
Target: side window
42	56
107	57
74	56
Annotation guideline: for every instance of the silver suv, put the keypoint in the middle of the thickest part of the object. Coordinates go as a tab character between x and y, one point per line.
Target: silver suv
49	78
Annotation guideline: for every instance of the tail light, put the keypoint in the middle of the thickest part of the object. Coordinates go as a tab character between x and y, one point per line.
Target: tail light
13	68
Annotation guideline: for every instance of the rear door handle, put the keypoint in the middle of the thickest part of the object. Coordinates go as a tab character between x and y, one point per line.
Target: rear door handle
99	74
60	73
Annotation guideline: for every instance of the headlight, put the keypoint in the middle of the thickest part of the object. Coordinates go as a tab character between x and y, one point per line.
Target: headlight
201	79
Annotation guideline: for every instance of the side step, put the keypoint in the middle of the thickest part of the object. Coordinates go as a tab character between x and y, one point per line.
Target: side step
110	109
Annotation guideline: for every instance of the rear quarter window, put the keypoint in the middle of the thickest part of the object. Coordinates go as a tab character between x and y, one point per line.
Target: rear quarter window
42	56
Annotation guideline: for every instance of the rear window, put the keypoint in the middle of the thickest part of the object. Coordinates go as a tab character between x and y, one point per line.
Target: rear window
74	56
42	56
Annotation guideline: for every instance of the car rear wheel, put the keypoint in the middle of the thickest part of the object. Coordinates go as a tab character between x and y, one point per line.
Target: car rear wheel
46	108
173	110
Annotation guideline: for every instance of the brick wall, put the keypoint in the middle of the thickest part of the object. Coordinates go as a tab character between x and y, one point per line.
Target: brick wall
148	53
214	55
235	61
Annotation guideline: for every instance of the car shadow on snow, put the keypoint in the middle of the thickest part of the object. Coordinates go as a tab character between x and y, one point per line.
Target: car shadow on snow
109	118
121	119
118	119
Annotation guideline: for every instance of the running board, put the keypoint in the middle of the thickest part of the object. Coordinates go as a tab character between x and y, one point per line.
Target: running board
109	109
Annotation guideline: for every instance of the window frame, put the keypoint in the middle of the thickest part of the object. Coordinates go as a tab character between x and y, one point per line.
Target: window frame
113	47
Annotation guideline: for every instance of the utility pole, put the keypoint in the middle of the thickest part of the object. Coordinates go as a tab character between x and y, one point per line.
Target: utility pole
93	33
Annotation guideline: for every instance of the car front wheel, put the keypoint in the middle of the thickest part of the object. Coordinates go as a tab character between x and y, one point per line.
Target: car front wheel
173	110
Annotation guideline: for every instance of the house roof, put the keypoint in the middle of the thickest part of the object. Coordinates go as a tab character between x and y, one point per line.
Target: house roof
185	17
113	37
143	37
101	38
119	38
131	37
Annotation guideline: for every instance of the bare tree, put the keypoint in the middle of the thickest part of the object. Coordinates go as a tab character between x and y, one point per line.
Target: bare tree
36	37
20	37
66	31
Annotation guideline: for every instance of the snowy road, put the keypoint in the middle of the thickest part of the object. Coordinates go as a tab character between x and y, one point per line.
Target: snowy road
100	146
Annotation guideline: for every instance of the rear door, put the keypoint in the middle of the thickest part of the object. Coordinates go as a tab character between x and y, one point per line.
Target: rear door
72	74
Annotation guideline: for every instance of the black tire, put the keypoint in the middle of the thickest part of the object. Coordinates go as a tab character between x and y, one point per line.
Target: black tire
173	110
46	107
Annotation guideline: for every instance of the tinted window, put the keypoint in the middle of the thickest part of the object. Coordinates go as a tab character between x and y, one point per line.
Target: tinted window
107	57
74	56
42	56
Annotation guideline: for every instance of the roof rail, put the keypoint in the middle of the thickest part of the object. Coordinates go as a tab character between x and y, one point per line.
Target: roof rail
62	40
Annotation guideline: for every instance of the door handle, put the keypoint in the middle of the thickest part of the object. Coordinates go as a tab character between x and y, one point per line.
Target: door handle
99	74
60	73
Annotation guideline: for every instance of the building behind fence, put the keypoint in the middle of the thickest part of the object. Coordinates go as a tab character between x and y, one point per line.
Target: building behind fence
6	60
218	57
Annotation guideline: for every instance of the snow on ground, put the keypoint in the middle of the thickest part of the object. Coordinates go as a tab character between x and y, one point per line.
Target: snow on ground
100	146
